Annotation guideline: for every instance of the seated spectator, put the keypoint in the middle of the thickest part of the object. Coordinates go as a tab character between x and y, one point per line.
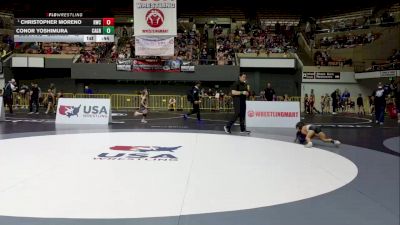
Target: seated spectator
87	90
286	98
392	63
324	59
172	104
3	52
252	39
348	40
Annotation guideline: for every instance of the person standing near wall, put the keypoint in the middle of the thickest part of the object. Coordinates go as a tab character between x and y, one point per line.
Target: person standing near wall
380	103
87	90
397	99
306	104
360	105
239	92
8	94
327	103
335	102
322	102
34	98
269	93
312	102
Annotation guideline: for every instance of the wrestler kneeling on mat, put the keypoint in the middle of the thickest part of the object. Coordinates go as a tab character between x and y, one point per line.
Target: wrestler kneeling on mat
305	132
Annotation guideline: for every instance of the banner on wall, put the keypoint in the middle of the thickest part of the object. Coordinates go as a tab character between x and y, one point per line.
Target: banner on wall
155	17
388	73
272	114
83	111
154	46
308	75
124	64
2	113
321	75
156	65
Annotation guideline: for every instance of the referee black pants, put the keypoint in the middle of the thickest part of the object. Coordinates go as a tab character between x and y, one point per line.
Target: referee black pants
240	112
195	110
34	101
8	101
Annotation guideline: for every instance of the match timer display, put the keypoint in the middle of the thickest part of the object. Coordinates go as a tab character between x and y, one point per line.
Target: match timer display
64	30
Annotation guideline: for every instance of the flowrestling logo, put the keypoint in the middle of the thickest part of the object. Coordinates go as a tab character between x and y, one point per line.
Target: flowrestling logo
88	111
142	153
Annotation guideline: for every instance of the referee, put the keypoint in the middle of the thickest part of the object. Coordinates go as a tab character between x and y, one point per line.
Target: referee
239	94
194	97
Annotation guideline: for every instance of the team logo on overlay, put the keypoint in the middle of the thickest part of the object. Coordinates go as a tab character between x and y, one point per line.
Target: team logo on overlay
155	18
69	110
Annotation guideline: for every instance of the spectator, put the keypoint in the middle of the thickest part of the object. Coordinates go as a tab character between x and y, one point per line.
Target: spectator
8	94
23	96
87	90
3	52
262	95
269	93
380	103
347	41
203	56
327	103
252	96
34	98
306	104
286	98
397	99
322	104
360	105
124	32
335	101
371	104
172	104
344	99
345	94
350	105
312	102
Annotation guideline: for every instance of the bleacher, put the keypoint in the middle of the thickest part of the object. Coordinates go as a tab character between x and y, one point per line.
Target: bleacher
227	12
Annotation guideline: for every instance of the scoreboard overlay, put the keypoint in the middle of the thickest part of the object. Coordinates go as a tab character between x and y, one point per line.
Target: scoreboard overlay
64	30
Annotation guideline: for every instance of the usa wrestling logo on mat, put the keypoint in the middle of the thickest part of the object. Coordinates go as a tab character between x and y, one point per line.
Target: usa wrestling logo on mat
142	153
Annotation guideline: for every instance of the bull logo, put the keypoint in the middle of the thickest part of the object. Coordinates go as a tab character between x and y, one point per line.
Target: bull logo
155	18
69	110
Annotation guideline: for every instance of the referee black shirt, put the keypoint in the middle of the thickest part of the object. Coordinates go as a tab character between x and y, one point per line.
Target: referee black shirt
239	86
